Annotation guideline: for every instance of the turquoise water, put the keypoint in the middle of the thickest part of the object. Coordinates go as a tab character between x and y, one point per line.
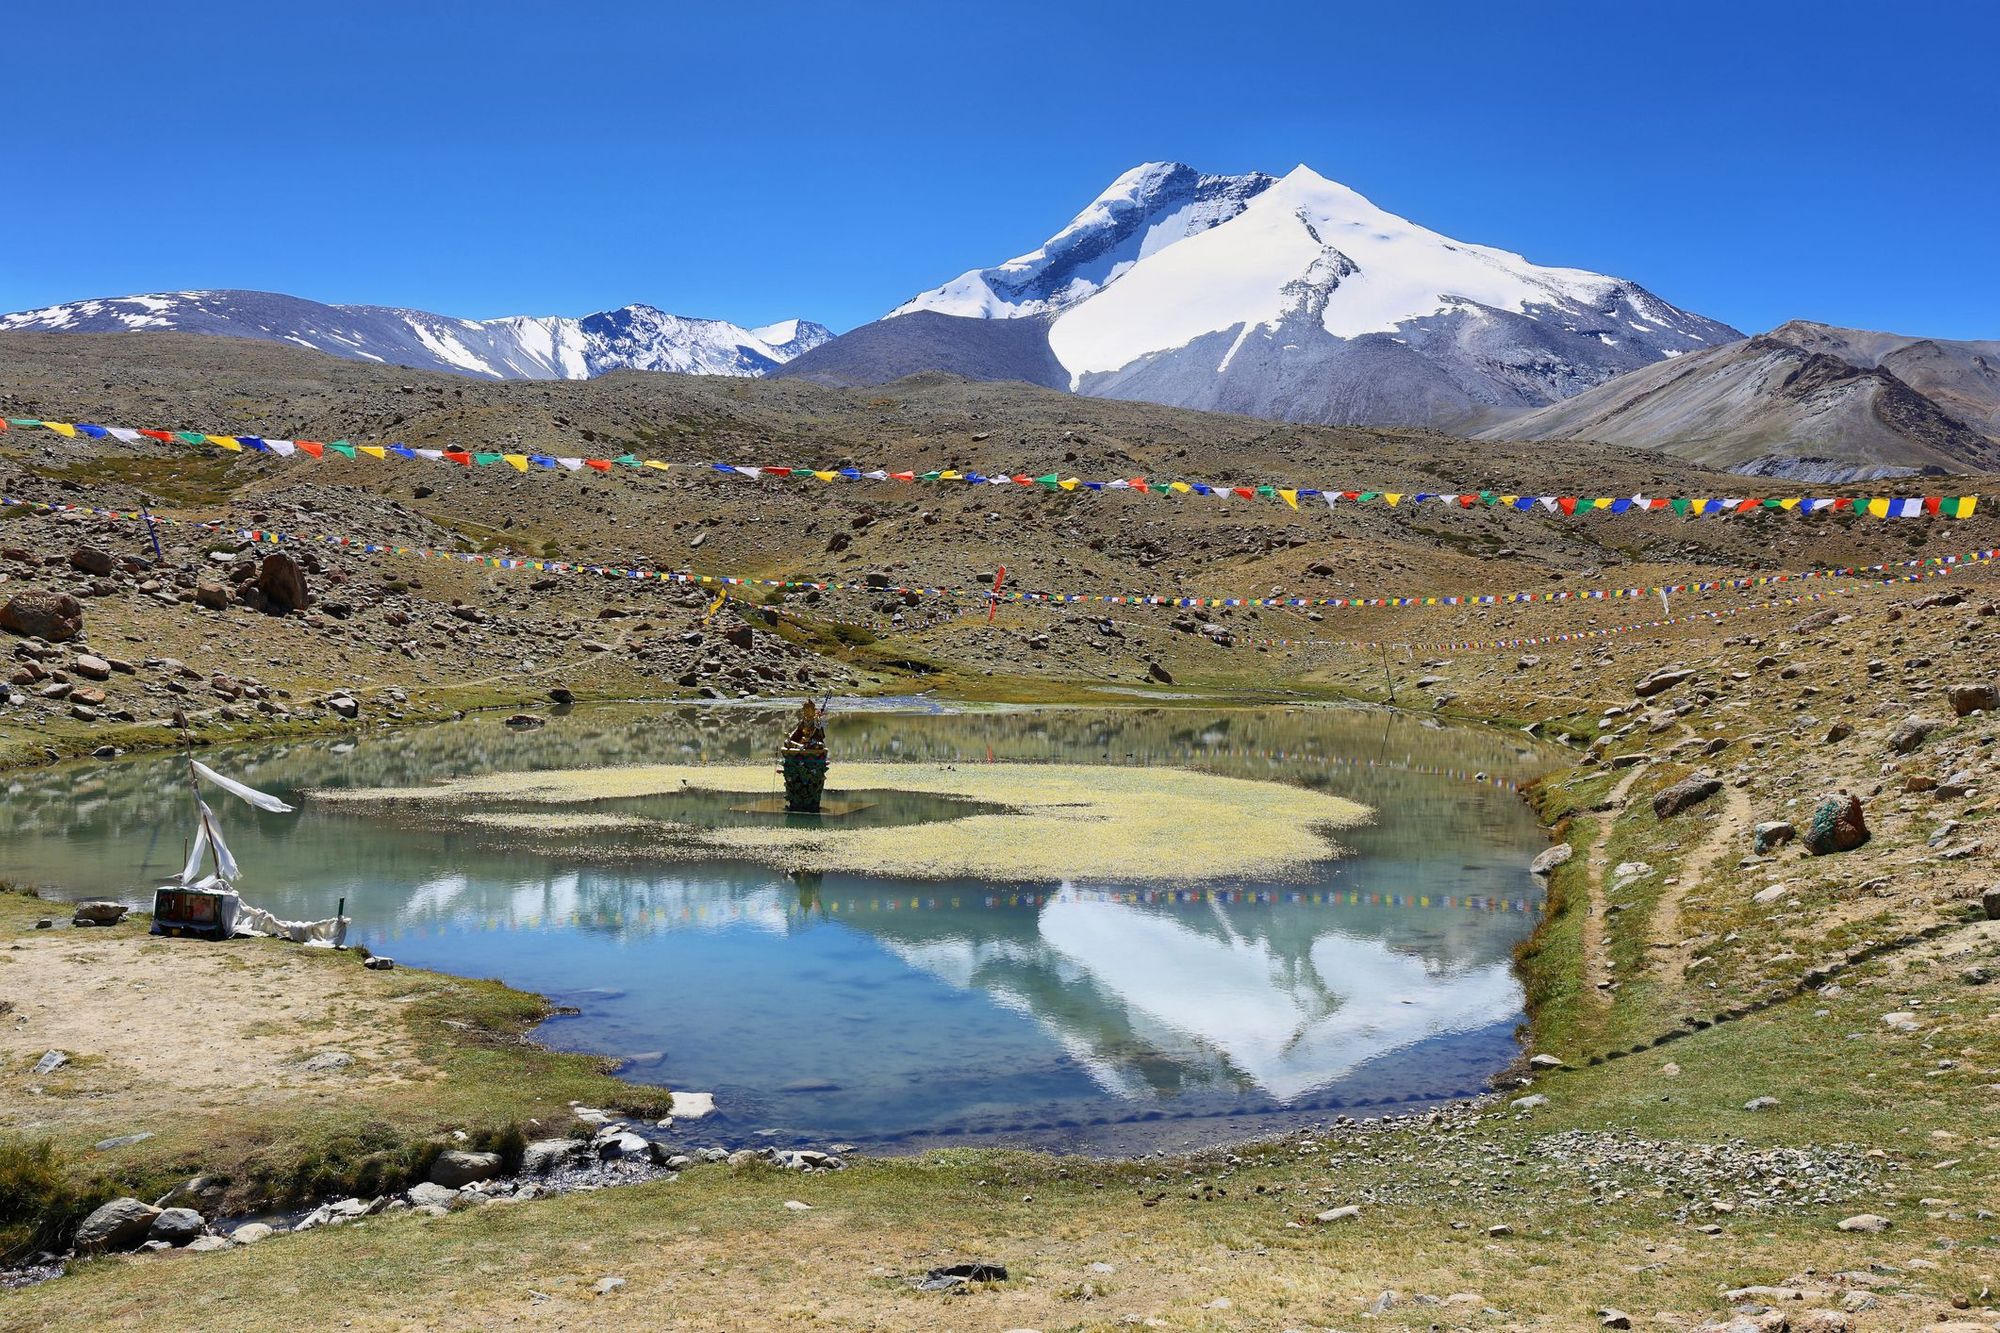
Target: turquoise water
1097	1015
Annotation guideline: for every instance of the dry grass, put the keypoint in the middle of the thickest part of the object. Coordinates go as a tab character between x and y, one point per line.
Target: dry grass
1063	821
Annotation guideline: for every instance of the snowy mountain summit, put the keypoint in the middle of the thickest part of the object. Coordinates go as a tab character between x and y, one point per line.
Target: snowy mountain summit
1294	298
634	337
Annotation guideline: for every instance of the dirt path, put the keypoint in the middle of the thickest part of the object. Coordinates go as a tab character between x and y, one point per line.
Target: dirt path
1597	974
1729	832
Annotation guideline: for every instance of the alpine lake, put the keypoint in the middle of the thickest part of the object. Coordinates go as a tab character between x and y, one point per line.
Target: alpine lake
1156	998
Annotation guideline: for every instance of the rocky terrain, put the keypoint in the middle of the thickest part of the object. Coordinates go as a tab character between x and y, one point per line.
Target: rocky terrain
1765	1047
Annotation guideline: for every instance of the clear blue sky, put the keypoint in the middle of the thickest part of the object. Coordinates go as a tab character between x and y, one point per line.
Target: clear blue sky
1754	162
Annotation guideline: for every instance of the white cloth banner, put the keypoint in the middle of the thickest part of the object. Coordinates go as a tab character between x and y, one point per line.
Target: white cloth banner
257	798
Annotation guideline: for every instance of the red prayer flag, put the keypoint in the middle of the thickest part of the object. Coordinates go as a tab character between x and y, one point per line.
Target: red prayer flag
600	464
313	447
459	456
903	476
1243	491
163	437
1566	503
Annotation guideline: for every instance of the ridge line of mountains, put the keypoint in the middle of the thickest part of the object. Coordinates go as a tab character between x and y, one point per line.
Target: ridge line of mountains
1290	298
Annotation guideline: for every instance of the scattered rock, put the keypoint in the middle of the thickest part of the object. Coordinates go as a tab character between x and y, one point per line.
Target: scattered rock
92	561
1913	731
1159	673
1662	680
1529	1103
545	1155
526	721
55	616
1989	901
1550	859
1773	833
252	1232
604	1286
693	1105
1967	698
1760	1103
1609	1317
50	1062
212	595
455	1168
1837	825
1866	1222
1685	794
428	1194
380	962
98	912
177	1226
1347	1213
283	584
118	1225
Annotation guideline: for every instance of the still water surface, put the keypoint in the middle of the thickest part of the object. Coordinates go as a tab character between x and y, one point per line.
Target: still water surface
1096	1015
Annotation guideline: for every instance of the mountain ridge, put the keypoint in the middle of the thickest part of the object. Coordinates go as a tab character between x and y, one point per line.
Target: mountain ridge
638	336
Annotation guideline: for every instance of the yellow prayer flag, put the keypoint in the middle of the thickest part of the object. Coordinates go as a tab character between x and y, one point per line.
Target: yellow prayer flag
1068	484
1393	498
1508	499
1290	497
715	605
1966	504
224	442
825	476
372	450
1601	503
1791	502
519	462
61	428
655	464
949	475
1179	487
1878	508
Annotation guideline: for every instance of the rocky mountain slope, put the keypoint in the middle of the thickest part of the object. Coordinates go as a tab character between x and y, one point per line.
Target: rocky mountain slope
1804	400
633	337
1295	299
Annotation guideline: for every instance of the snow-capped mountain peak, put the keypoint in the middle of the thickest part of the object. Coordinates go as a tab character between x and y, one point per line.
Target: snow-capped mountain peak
1150	207
636	337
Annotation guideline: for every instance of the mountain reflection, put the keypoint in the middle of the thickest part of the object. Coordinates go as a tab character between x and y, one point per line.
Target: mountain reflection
901	1011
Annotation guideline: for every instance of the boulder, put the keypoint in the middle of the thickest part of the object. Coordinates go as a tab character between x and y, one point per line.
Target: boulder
1967	697
99	912
1872	1222
1989	902
455	1168
545	1155
252	1232
1550	859
1773	833
283	584
1913	731
92	561
118	1225
1837	825
427	1195
1685	795
92	668
1661	681
739	635
177	1226
55	616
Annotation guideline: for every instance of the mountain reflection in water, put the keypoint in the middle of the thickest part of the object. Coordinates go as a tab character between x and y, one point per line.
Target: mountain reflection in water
902	1012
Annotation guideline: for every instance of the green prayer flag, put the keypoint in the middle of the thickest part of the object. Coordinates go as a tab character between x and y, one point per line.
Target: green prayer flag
191	436
929	476
1680	506
1048	481
1366	496
1268	492
486	460
627	459
342	447
24	421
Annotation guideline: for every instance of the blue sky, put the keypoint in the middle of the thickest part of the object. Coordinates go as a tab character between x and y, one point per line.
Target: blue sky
1753	162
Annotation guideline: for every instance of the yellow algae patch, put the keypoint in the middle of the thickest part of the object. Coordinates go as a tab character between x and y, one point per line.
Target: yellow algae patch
1062	821
579	821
